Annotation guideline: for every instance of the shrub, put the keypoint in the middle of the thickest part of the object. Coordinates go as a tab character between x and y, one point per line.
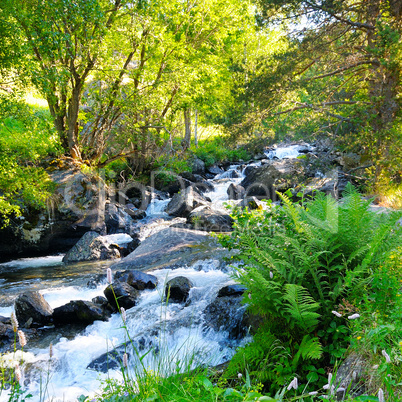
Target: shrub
301	263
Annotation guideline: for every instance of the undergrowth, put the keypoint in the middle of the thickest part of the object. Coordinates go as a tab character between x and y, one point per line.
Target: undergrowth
307	267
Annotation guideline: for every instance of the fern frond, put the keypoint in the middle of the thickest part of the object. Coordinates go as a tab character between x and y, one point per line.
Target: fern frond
301	307
309	348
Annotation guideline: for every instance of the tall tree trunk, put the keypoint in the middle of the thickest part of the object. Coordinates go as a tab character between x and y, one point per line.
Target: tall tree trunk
187	128
72	119
195	129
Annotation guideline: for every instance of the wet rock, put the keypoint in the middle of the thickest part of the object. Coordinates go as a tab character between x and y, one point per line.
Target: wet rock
79	312
205	218
137	279
236	191
126	295
248	169
175	184
259	156
91	247
6	331
232	290
138	194
214	169
182	204
178	289
280	175
172	248
197	165
227	313
31	307
100	301
108	361
251	203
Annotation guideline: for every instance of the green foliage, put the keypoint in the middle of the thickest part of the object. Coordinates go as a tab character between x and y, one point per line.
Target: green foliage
219	149
380	326
26	138
300	263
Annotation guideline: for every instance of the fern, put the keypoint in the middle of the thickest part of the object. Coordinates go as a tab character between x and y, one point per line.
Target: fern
309	348
301	307
301	261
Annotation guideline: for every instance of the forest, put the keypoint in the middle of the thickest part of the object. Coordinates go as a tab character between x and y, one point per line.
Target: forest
125	92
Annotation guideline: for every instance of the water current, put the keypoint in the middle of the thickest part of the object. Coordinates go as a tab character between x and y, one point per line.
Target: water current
175	330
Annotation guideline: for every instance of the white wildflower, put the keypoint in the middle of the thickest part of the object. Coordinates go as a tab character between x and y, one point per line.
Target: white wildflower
239	376
109	275
326	386
312	393
271	274
386	355
17	372
14	322
336	313
293	384
381	395
354	316
329	378
123	314
22	338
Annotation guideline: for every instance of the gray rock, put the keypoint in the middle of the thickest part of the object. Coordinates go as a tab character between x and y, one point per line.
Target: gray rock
226	313
280	175
79	312
214	169
197	165
232	290
235	191
32	306
126	295
205	218
91	247
351	375
182	204
177	184
178	289
137	279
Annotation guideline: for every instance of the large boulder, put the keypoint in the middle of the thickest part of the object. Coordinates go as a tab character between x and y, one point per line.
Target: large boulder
182	204
121	218
197	165
171	248
77	206
178	289
125	295
31	309
281	175
137	279
79	312
92	247
211	220
235	191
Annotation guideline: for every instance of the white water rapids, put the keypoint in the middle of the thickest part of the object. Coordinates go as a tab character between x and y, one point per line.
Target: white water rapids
175	330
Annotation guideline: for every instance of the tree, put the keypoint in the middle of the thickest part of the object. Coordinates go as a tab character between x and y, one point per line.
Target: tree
344	66
112	73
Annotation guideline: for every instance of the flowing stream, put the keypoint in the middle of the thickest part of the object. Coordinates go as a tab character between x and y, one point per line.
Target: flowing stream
173	332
